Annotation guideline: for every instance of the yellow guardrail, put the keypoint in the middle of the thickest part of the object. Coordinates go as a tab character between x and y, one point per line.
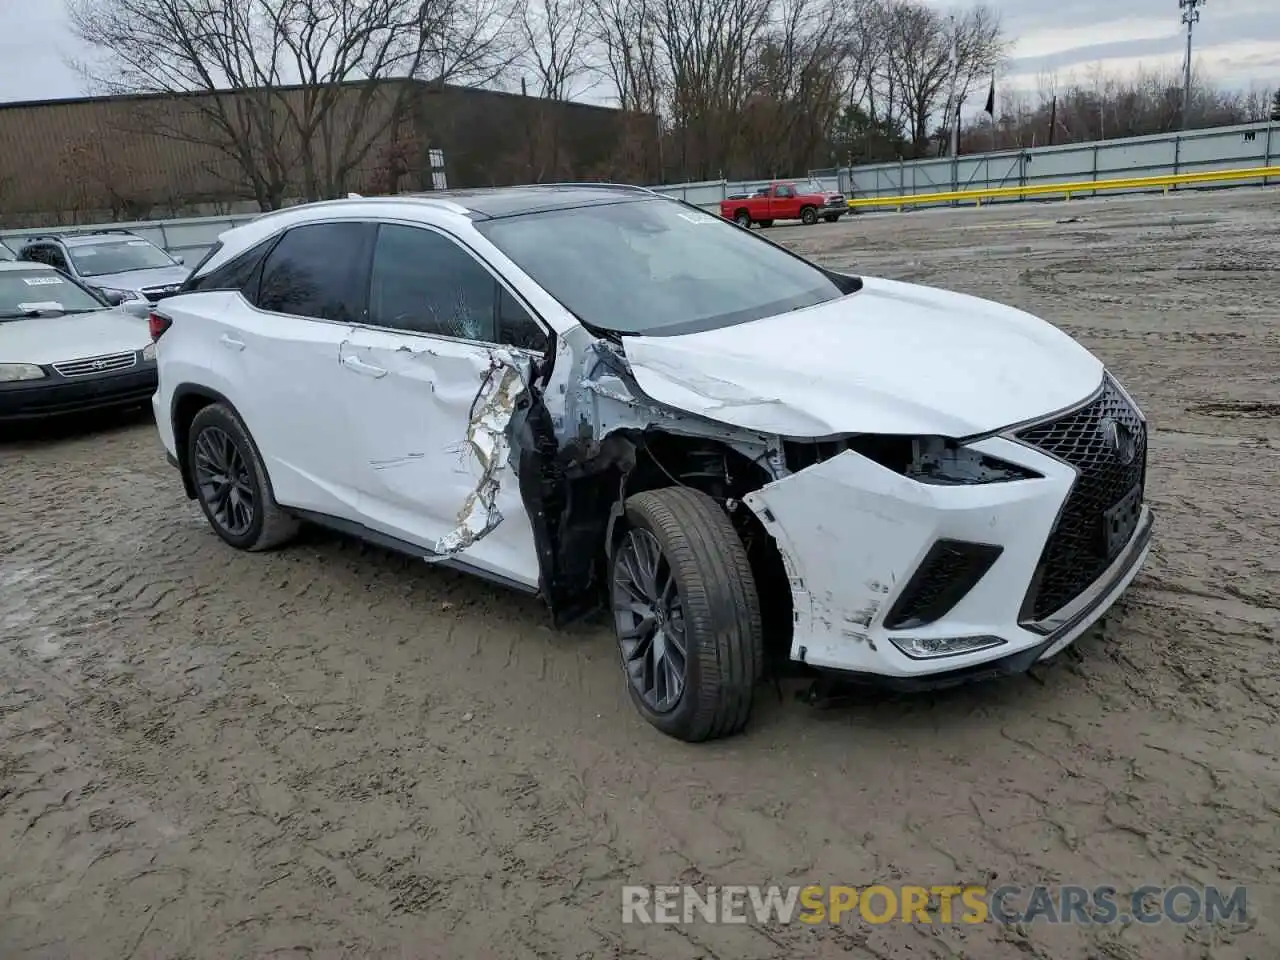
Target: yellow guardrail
979	194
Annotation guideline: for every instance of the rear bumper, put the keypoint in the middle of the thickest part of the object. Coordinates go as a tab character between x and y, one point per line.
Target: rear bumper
58	396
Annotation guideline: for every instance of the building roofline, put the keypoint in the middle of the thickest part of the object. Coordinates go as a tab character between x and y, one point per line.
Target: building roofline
427	86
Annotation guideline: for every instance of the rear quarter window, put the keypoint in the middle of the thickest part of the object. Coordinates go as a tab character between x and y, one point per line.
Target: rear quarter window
239	273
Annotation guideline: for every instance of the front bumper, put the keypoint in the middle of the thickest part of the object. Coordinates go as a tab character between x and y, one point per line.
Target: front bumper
833	209
852	533
55	395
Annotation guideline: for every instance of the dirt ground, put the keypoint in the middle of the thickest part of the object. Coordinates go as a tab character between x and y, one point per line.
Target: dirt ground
333	752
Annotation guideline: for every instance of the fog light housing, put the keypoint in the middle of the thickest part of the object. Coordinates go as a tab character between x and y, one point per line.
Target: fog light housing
933	648
149	352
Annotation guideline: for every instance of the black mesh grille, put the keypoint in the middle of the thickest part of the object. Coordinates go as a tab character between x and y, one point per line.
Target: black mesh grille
949	570
1079	549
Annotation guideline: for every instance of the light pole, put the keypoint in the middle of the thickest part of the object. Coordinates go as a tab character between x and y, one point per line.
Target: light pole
1190	16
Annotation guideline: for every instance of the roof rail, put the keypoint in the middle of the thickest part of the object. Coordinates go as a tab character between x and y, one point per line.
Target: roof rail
594	183
78	233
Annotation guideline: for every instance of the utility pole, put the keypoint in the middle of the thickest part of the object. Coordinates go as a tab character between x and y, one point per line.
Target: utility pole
1190	16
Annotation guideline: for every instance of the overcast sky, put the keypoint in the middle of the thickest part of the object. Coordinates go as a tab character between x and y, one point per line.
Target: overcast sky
1237	42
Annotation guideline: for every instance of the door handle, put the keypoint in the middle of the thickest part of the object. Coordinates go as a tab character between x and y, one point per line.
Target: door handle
231	342
356	365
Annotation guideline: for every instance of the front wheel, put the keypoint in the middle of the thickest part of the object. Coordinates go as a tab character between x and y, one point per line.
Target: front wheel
231	482
687	615
808	216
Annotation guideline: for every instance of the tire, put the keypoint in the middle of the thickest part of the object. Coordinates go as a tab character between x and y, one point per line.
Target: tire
765	224
831	217
742	219
808	216
700	554
268	525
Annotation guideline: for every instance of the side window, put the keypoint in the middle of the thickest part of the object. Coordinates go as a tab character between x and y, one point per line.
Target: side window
35	254
786	192
515	327
317	271
239	273
426	283
55	257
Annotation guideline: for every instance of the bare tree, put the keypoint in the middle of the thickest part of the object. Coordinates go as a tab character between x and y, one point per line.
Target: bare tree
289	90
555	38
797	86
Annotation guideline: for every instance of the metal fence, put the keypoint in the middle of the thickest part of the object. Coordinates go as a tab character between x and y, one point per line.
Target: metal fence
1223	148
191	237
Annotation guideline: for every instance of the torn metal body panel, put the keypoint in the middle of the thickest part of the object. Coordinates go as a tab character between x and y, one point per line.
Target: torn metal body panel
490	418
433	437
574	447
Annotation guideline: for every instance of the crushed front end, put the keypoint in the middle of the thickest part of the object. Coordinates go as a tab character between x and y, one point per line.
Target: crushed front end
927	562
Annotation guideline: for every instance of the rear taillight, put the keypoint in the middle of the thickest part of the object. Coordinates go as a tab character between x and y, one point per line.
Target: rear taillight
158	324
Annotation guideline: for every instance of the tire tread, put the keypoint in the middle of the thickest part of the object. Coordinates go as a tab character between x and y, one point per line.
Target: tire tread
720	601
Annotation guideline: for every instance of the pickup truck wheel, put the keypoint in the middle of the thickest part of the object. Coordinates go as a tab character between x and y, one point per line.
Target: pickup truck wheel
742	219
687	615
831	217
808	216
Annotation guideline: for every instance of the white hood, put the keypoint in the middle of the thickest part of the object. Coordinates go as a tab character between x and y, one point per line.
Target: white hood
76	336
891	358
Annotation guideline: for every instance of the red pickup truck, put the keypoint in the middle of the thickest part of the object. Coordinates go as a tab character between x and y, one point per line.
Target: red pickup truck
783	200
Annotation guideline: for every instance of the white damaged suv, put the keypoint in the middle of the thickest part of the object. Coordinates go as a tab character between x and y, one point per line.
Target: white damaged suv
611	398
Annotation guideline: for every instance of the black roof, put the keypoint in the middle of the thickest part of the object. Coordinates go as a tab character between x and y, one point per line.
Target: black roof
494	202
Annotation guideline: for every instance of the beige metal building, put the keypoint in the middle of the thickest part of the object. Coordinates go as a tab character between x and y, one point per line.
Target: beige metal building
137	157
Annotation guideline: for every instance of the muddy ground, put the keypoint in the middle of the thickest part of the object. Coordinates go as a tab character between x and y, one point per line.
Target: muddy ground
332	752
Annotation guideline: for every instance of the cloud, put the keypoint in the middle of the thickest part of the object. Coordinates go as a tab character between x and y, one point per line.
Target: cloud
33	49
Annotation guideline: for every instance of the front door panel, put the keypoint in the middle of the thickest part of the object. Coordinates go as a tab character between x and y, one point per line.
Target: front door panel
430	417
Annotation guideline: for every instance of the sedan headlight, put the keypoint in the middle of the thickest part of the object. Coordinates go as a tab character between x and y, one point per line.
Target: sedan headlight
149	352
13	372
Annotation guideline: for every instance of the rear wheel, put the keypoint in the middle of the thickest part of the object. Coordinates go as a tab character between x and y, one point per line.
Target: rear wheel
809	216
231	482
742	219
687	615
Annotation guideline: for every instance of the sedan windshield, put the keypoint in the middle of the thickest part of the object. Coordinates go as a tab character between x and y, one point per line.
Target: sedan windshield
656	267
33	292
100	259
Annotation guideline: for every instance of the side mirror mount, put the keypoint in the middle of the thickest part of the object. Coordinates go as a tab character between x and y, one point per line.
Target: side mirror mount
179	259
